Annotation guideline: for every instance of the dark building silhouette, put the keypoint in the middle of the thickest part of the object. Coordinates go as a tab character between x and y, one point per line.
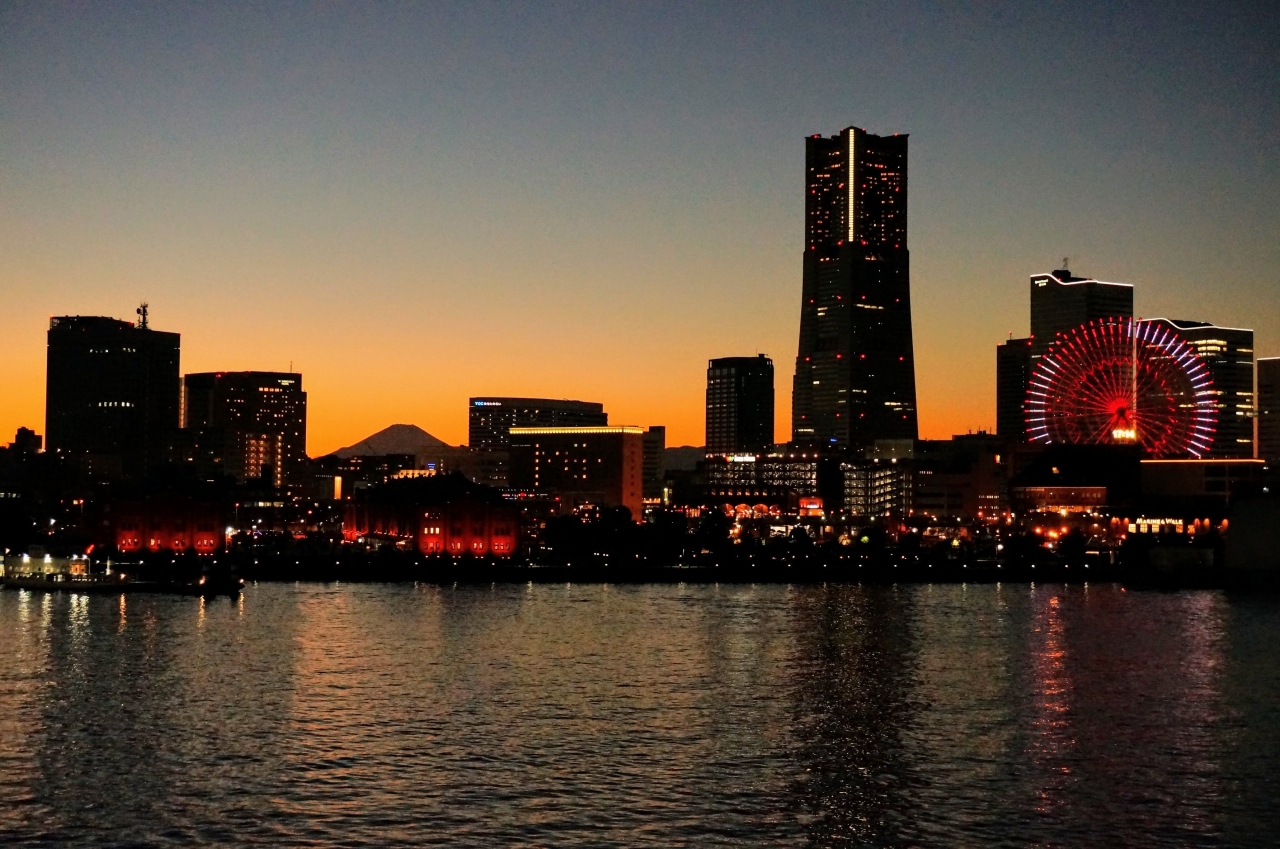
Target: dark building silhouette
111	393
1228	352
601	466
740	405
855	369
253	424
1269	409
655	465
1013	375
1062	302
26	441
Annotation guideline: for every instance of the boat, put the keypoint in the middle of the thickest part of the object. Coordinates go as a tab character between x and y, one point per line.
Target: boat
207	586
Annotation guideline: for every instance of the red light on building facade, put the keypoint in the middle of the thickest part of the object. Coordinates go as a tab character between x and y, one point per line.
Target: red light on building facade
462	525
166	525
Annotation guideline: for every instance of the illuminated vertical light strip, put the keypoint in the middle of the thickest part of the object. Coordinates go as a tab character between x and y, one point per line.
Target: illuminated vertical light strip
851	178
1133	385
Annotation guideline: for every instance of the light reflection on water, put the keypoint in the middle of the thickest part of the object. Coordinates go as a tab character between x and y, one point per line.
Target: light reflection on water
656	715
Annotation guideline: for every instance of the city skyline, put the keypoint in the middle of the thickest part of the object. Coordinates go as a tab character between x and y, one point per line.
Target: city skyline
355	194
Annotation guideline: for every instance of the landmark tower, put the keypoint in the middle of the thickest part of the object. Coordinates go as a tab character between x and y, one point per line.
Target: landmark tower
855	369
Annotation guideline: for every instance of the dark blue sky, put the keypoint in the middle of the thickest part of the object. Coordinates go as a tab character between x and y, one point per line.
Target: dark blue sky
414	203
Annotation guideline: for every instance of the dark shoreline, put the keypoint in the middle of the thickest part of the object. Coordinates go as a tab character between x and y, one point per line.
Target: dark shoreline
376	569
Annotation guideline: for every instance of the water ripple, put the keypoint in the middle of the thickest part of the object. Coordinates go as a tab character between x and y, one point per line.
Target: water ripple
311	715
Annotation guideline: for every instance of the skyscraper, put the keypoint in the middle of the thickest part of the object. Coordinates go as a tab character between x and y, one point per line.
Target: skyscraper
111	393
1228	352
254	421
1269	409
1062	302
1013	375
855	369
740	405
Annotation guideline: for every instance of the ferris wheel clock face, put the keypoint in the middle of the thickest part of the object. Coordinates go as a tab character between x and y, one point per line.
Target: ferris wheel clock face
1123	382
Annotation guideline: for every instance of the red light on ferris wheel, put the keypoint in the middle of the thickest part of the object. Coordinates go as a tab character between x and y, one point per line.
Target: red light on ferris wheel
1120	381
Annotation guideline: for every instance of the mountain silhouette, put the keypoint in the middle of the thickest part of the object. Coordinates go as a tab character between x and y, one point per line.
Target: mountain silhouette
397	439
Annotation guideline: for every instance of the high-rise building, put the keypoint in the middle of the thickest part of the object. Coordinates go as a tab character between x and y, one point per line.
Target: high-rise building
655	466
1269	409
855	369
602	466
1062	302
1228	352
253	422
111	393
1013	375
740	405
489	420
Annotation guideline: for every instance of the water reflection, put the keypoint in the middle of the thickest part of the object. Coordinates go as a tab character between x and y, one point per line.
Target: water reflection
854	669
1051	744
618	715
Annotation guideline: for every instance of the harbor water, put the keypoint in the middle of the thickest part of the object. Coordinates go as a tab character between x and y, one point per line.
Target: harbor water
641	715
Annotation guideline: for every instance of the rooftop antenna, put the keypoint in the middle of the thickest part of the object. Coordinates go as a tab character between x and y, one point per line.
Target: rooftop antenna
142	316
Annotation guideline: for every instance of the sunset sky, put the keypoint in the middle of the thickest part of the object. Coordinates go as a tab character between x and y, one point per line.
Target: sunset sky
416	203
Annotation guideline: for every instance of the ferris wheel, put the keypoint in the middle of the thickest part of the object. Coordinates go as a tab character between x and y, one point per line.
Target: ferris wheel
1120	381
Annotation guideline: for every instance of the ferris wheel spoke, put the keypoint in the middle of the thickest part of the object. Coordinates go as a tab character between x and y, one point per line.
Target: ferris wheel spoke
1112	372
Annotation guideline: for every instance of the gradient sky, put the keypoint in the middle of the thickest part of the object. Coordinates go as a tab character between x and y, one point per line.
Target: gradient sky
417	203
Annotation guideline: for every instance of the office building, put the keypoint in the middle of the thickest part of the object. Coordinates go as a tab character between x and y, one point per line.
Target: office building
598	466
655	456
1269	409
855	367
1228	353
1062	302
1013	375
739	405
964	477
489	420
254	423
111	393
